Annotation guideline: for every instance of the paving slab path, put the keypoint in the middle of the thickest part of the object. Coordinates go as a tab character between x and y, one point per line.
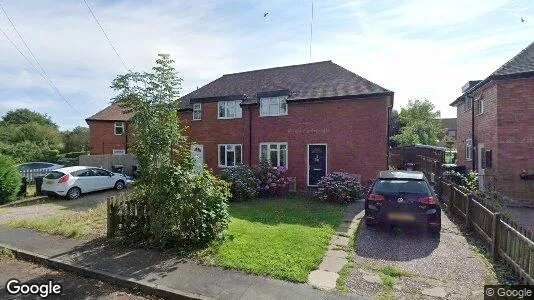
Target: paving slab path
436	268
161	270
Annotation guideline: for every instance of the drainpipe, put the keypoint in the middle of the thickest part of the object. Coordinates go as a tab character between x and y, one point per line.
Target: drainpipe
126	137
473	158
250	135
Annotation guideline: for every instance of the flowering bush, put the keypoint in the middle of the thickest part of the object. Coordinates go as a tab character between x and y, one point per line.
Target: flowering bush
273	181
339	187
244	183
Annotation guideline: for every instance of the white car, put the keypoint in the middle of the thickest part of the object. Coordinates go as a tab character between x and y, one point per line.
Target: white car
74	181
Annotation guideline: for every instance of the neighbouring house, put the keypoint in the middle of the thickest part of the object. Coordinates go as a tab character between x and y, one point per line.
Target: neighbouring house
450	128
313	119
108	130
495	134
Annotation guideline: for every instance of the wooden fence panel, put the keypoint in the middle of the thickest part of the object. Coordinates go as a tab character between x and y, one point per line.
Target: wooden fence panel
505	239
126	217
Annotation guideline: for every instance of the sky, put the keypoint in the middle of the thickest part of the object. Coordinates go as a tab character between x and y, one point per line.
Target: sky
418	49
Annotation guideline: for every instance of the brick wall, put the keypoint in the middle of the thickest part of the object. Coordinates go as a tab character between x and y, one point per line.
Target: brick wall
516	136
103	139
354	130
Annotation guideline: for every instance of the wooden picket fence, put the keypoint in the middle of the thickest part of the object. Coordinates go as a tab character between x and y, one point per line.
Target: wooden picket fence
125	217
31	174
504	238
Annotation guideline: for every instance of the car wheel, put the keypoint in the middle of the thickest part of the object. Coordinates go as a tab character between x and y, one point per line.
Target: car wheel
370	223
435	232
119	185
74	193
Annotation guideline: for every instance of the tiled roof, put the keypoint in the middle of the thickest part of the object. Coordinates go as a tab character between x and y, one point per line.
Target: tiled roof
519	66
523	62
111	113
302	82
449	123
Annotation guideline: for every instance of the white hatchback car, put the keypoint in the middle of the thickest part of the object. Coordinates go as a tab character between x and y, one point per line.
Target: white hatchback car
73	181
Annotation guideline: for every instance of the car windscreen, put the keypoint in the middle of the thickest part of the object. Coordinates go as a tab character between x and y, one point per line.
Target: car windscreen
54	175
396	186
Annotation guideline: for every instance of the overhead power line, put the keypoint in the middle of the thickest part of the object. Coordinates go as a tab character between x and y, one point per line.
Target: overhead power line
41	71
107	37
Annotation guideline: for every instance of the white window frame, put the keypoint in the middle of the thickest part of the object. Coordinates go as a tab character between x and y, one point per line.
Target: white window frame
238	113
119	151
480	107
278	144
225	165
470	106
469	149
197	108
279	100
118	124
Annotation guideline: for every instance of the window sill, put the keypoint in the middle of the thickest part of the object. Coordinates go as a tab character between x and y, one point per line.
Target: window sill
196	120
229	118
267	116
480	114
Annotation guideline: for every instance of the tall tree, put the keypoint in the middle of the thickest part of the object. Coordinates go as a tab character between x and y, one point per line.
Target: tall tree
419	124
76	140
23	116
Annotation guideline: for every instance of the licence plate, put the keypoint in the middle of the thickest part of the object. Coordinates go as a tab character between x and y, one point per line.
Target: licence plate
401	217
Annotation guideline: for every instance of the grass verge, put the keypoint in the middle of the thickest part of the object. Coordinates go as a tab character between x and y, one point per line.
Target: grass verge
284	238
6	253
72	225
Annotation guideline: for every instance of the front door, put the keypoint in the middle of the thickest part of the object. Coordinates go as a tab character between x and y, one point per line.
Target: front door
481	160
197	153
316	163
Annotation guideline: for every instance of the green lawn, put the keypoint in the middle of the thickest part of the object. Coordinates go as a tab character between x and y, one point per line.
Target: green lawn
283	238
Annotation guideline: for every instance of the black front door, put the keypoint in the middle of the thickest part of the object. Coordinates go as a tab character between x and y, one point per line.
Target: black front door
316	163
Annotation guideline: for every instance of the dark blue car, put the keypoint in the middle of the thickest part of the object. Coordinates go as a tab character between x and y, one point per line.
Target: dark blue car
403	198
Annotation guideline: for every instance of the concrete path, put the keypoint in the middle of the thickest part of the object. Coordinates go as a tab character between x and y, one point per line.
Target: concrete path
437	268
161	270
325	277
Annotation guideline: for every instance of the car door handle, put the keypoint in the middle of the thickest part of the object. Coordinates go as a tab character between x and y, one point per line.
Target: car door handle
317	169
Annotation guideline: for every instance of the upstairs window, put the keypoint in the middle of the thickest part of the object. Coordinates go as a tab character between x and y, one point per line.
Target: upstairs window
468	103
230	155
274	153
119	128
273	106
229	109
197	111
480	106
468	149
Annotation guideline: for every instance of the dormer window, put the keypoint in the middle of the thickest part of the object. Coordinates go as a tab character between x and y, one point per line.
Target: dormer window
197	111
229	109
273	106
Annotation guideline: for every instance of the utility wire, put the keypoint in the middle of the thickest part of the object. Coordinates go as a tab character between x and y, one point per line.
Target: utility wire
40	71
106	35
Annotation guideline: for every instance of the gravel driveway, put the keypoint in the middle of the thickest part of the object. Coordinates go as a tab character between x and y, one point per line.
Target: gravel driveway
444	267
58	206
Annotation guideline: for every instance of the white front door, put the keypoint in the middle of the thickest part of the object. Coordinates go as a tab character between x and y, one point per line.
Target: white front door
481	165
197	153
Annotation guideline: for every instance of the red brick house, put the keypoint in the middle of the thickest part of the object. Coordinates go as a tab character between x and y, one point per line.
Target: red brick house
495	132
313	119
108	130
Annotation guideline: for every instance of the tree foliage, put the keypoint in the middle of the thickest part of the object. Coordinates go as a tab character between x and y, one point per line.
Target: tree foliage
28	136
419	124
76	140
186	208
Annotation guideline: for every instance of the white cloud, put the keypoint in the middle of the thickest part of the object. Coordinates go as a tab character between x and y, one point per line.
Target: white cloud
415	48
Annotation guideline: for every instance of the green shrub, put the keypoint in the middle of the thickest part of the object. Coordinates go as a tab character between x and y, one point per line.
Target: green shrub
244	183
469	181
74	154
189	210
339	187
273	181
10	180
